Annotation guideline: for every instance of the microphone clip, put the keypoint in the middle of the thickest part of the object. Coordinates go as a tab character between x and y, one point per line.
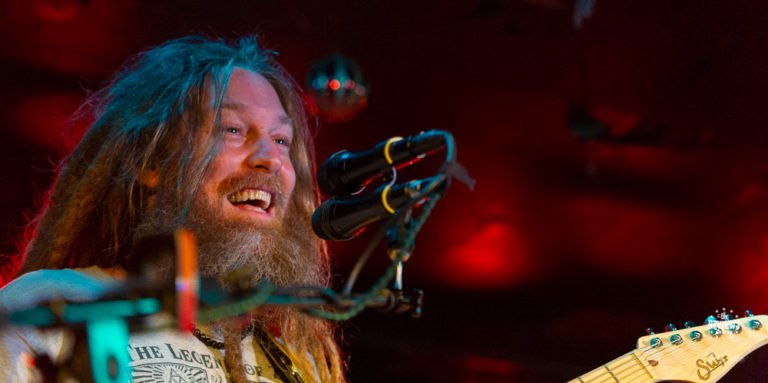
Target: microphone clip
400	302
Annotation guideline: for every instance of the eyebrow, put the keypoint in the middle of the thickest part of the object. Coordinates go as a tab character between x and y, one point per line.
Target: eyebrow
285	120
237	106
232	105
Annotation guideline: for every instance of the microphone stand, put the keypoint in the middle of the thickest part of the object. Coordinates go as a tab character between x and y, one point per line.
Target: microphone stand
400	252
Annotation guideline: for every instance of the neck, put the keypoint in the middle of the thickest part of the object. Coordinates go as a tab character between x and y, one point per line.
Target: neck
626	368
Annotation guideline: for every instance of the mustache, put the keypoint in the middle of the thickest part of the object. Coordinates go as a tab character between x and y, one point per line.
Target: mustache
242	180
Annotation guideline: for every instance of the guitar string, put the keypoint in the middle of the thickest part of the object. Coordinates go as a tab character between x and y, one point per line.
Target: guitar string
612	374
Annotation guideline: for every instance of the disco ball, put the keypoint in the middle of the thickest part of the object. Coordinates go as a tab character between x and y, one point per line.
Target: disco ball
337	89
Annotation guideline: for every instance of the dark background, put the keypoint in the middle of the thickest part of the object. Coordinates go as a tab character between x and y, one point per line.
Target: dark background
621	168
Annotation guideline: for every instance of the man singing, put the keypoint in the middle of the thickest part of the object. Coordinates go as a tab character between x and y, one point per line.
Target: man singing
200	134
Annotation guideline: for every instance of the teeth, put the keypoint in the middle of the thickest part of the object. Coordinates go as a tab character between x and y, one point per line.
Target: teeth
262	196
252	195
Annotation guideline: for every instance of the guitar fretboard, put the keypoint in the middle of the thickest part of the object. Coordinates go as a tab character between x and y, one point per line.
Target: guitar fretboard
626	368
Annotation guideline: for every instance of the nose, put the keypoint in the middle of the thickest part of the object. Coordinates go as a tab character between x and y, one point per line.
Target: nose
264	156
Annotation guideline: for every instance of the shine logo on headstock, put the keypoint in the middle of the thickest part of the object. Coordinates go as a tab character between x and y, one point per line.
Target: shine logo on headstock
712	363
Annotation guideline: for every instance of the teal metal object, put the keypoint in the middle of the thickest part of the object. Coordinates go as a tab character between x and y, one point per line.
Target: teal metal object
36	316
83	312
107	341
696	336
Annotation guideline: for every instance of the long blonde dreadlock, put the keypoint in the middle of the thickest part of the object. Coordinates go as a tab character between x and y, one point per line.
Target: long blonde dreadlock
150	117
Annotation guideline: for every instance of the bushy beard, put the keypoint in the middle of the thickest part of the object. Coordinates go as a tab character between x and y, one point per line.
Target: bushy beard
232	251
239	251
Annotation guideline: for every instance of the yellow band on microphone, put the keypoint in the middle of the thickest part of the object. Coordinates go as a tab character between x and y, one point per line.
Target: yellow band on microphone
386	149
384	201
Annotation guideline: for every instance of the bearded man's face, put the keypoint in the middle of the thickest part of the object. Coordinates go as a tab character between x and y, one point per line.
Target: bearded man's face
252	178
244	215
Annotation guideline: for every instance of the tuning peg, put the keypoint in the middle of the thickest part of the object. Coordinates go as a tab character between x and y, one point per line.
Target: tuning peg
689	324
695	336
654	342
711	321
670	327
754	324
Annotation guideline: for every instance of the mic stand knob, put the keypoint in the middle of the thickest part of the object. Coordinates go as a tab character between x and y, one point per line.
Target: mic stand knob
398	302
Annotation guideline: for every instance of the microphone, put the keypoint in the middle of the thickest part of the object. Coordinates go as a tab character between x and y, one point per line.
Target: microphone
345	172
343	219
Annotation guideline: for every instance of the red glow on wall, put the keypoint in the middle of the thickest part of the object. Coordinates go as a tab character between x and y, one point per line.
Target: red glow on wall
749	273
490	365
657	162
59	10
619	122
73	37
46	120
493	257
629	239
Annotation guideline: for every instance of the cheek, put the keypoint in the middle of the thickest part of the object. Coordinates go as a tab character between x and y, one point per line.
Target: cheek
289	177
217	171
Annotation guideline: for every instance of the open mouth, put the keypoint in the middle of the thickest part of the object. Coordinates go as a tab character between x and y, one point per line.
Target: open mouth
252	199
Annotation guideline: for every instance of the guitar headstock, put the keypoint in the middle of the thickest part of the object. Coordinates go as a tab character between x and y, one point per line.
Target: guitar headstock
701	353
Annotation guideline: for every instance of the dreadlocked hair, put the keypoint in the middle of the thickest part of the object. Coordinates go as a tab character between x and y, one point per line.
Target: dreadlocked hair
150	118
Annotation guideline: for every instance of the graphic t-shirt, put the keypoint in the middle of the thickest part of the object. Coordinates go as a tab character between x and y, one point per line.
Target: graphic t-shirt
170	356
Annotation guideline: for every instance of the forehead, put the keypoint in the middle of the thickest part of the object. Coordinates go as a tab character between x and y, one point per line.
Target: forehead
249	93
251	89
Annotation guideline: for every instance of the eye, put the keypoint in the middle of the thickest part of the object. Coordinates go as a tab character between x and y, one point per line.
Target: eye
233	130
282	141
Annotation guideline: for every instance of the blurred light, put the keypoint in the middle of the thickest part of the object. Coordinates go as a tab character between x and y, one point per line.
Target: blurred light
337	89
493	257
319	82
